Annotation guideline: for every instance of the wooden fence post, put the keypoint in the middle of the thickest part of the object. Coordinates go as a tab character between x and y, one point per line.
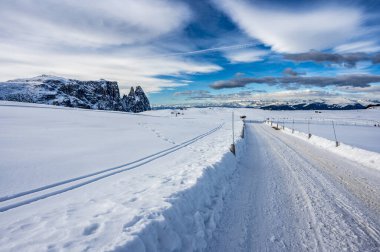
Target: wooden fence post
232	148
336	140
293	127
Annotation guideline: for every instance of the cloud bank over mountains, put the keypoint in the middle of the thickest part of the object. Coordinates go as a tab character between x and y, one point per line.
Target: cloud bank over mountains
295	82
347	60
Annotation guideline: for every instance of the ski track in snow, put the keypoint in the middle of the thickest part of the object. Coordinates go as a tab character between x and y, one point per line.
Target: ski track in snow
92	177
292	196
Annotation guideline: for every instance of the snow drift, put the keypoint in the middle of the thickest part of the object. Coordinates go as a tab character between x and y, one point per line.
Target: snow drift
364	157
191	217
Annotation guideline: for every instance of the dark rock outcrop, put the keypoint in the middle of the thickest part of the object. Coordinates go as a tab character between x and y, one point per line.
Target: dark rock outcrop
102	94
136	101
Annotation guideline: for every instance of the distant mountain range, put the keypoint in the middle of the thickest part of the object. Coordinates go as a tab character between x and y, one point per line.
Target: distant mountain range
317	106
293	105
105	95
52	90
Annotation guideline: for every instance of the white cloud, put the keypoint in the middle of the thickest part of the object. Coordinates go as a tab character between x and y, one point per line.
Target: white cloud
126	67
374	90
288	95
90	23
244	56
114	39
361	46
295	31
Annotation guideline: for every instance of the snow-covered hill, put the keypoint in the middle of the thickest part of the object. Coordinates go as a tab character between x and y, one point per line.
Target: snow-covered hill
77	180
52	90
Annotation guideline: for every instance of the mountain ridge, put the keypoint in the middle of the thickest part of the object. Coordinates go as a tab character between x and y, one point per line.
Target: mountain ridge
53	90
296	105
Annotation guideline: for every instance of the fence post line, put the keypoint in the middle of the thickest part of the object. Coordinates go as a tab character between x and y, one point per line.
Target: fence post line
242	135
233	128
336	140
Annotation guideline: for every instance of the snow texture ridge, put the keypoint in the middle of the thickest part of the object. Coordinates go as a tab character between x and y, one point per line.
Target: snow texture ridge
52	90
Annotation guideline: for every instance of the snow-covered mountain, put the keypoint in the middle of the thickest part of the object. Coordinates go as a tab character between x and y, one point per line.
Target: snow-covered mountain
314	106
52	90
319	104
296	104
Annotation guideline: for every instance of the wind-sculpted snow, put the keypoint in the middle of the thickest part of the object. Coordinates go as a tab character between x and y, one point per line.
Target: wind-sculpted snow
52	90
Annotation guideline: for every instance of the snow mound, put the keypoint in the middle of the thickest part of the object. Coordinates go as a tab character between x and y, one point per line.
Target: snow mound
191	218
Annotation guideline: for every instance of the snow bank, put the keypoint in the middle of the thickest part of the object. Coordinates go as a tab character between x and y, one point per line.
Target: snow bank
168	203
364	157
188	223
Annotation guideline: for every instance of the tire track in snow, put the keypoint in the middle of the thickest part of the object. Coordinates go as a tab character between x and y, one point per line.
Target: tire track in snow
341	202
261	211
93	176
314	223
362	226
348	210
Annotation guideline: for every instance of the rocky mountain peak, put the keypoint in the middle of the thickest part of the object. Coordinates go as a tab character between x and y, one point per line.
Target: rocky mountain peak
131	92
136	101
52	90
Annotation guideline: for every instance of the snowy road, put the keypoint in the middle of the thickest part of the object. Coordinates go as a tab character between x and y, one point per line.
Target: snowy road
293	196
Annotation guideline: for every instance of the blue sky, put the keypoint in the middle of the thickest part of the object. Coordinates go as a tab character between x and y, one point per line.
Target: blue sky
199	51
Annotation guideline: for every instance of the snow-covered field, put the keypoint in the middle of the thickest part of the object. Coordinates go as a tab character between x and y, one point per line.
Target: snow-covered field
78	180
87	180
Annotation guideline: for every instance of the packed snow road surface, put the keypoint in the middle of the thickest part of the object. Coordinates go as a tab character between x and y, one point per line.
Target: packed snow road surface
292	196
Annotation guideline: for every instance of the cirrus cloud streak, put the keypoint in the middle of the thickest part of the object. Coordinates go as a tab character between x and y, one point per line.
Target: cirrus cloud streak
294	82
290	31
